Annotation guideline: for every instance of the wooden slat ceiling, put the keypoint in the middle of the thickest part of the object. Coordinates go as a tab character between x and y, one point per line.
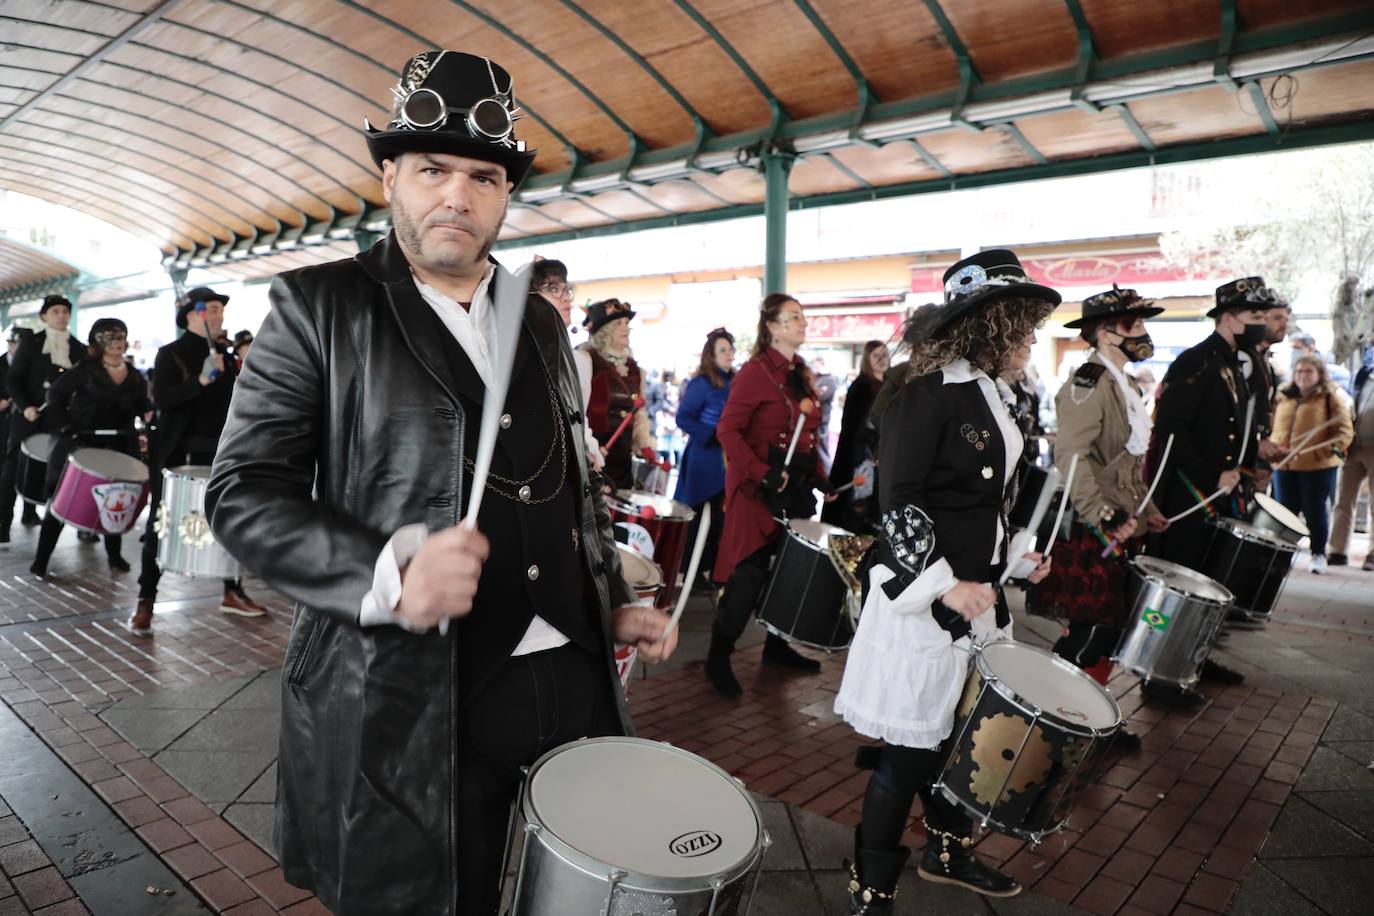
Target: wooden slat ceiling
221	129
22	266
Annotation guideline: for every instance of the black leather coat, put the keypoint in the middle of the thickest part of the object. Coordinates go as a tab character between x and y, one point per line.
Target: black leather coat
348	424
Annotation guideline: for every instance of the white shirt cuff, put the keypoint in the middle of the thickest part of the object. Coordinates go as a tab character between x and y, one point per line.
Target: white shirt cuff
379	605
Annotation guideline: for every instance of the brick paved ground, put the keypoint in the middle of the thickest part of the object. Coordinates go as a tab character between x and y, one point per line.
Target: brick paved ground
29	883
1175	828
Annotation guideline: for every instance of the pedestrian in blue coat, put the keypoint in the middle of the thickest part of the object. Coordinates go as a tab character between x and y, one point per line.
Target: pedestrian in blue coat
701	476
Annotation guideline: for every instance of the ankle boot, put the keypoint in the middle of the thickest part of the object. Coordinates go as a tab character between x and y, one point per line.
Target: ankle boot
776	651
873	878
949	859
718	667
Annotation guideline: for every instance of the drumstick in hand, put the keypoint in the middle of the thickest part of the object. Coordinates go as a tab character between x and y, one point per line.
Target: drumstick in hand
858	481
1311	448
638	403
1159	475
1307	436
806	407
697	549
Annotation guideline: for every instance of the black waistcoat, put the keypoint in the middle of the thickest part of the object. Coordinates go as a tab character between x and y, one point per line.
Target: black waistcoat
536	563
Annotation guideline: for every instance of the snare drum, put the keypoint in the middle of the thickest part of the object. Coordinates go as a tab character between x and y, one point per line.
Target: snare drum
807	598
1174	617
1027	731
640	573
649	478
100	491
30	478
629	826
1252	562
667	524
185	544
1268	514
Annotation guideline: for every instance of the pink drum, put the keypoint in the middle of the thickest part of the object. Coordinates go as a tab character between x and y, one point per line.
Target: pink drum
101	491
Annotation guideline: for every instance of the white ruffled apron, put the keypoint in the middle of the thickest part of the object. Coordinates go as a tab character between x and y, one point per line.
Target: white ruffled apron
903	676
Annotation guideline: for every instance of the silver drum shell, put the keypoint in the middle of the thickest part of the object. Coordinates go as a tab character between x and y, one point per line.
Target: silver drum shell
183	547
1173	655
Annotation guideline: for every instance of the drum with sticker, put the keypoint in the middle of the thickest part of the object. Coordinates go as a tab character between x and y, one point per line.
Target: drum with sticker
628	826
1174	617
666	521
1028	732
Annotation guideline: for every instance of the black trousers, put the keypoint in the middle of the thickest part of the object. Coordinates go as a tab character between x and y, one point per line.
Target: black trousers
151	574
19	429
533	704
742	595
1085	644
903	773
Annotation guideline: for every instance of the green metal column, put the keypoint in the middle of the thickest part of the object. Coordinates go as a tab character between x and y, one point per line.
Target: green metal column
4	316
777	166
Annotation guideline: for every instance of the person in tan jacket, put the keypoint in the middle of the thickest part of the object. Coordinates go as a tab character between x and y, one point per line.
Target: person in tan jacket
1102	420
1307	480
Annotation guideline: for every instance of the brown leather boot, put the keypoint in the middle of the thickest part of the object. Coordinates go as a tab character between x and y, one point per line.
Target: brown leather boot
140	623
236	602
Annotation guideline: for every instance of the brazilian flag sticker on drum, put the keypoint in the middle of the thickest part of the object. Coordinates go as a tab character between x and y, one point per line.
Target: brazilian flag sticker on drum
1155	619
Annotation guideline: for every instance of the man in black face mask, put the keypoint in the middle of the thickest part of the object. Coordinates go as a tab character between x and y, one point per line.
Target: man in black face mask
1104	422
1209	406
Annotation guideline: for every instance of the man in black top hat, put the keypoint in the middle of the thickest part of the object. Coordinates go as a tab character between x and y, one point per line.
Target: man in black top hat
193	381
35	365
427	662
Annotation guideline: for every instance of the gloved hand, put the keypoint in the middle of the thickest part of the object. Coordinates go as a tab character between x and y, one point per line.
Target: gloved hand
773	481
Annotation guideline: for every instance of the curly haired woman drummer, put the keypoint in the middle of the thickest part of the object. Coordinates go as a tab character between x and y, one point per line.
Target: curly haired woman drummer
92	405
949	449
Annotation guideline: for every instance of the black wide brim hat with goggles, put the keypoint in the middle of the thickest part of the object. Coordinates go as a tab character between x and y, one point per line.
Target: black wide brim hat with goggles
1115	303
1245	293
600	314
455	103
980	280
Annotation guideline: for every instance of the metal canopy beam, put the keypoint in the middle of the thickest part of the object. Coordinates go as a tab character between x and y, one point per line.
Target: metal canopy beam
777	166
1266	114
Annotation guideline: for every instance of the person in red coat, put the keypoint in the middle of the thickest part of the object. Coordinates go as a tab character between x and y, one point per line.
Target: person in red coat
768	395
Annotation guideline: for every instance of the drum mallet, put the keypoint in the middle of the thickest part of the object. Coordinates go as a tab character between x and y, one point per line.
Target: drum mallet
511	290
638	402
858	481
1159	475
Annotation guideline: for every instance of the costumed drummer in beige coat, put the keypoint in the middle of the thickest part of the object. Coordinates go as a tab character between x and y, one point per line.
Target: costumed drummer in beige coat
1103	420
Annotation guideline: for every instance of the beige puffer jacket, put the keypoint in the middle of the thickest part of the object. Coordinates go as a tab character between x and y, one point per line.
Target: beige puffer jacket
1295	416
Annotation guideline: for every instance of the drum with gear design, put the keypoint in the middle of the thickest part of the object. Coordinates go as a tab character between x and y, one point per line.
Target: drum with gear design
185	543
1026	733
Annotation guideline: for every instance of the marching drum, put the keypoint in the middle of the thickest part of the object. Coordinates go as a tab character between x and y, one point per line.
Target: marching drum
1174	617
1273	516
30	480
100	491
1028	724
807	597
639	572
185	544
623	826
649	478
666	522
1252	562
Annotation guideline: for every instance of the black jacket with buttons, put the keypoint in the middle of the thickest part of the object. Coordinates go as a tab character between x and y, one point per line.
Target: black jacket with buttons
353	419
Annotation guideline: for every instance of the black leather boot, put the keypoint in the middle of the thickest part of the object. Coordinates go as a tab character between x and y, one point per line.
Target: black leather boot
776	651
1173	697
717	667
1215	671
950	859
873	878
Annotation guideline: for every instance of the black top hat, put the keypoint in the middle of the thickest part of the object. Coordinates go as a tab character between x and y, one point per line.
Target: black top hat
1115	302
197	295
600	314
451	102
983	278
54	299
1246	293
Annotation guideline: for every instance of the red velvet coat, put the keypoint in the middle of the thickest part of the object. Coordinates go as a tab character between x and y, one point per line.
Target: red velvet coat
760	412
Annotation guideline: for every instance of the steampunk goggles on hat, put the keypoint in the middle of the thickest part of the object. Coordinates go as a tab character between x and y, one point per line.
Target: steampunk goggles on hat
420	108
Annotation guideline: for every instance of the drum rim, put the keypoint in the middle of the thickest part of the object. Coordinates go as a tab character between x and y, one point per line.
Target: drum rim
1007	693
24	447
627	504
75	459
654	567
179	472
829	529
638	880
1254	534
1150	577
1264	503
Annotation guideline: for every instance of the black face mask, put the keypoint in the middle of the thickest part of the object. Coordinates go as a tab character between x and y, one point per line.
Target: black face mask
1137	349
1252	335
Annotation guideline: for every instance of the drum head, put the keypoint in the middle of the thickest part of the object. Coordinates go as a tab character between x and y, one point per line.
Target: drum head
813	532
1182	579
1281	513
111	465
1052	684
644	807
37	446
1248	532
639	571
633	501
193	471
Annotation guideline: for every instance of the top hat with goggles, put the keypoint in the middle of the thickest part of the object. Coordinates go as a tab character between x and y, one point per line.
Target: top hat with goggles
1245	293
456	103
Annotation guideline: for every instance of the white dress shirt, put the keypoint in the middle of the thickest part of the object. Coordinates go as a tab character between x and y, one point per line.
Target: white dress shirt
472	328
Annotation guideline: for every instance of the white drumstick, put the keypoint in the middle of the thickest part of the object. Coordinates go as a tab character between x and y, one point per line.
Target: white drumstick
1311	448
1187	512
1249	424
1307	436
703	529
1064	500
1159	475
796	434
1039	515
511	290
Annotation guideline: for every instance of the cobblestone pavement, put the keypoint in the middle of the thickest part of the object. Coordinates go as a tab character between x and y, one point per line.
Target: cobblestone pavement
1262	802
